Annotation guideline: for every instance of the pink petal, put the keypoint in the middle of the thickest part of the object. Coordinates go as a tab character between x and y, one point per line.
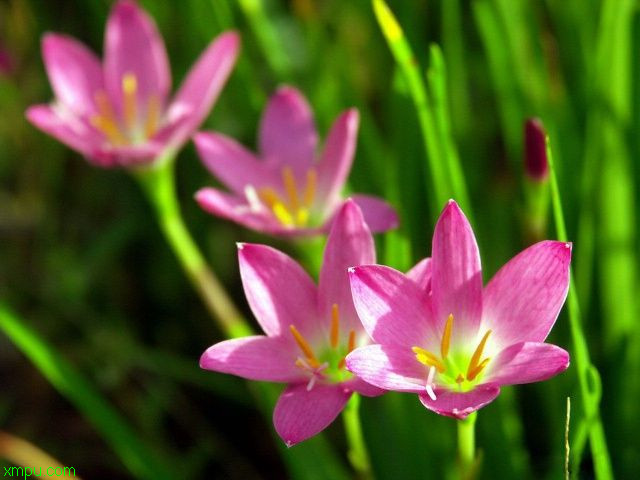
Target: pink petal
74	71
230	162
287	133
457	276
458	404
69	130
133	45
337	157
254	358
527	362
390	307
379	215
391	368
363	388
301	413
349	244
279	291
205	80
420	273
523	300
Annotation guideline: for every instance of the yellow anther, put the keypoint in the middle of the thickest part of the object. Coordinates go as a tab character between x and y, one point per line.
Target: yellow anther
291	188
459	379
335	325
304	347
474	373
474	364
446	337
282	214
427	358
153	115
302	217
310	189
129	90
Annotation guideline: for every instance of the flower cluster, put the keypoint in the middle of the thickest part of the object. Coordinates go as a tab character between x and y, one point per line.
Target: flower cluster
434	331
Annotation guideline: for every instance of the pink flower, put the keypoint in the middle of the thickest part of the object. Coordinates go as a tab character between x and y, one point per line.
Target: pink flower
448	339
309	330
287	190
118	113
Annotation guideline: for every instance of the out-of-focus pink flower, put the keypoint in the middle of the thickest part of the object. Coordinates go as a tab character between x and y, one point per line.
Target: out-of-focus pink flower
118	113
535	150
287	189
449	340
309	329
6	62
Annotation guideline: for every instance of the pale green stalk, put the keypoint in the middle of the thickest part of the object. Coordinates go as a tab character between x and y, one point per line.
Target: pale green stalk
467	446
588	377
357	453
158	184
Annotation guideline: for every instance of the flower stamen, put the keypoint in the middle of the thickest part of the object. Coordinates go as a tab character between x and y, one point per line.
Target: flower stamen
304	347
427	358
475	366
335	325
310	188
129	91
446	337
290	187
153	115
105	120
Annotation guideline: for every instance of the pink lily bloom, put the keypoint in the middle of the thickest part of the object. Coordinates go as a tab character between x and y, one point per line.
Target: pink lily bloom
286	189
309	330
118	113
452	341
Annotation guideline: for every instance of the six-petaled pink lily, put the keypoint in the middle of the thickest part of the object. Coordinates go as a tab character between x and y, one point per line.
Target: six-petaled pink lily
117	113
456	344
285	189
309	330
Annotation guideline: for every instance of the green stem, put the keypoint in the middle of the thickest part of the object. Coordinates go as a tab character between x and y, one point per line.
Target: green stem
588	377
467	446
158	185
358	455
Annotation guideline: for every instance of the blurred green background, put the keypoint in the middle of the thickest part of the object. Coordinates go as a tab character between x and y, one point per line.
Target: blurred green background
84	266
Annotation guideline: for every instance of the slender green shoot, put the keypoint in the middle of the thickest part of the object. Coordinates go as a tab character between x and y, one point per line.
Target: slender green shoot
158	184
358	455
133	452
587	373
410	69
467	446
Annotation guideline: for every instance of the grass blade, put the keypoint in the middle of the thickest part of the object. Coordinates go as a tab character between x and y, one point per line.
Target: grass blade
135	455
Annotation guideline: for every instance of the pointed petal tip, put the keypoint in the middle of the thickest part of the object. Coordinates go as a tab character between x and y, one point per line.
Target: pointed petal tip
230	39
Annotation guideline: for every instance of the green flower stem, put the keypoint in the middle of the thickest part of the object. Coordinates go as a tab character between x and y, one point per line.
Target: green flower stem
158	185
358	455
467	446
588	377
